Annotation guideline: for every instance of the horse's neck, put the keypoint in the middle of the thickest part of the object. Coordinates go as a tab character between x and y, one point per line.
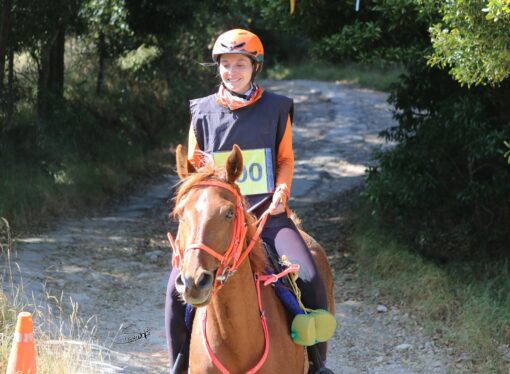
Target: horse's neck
234	311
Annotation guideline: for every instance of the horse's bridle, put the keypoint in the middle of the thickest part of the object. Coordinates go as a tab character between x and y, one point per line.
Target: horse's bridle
234	255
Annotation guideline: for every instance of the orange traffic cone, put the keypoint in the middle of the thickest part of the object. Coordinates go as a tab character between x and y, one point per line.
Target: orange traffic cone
22	357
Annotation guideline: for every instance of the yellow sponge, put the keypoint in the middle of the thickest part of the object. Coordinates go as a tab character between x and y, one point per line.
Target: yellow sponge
325	324
302	330
315	327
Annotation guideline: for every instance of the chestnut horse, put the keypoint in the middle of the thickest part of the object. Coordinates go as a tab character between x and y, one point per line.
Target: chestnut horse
228	332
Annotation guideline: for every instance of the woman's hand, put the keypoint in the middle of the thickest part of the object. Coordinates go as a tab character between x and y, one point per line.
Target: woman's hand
279	203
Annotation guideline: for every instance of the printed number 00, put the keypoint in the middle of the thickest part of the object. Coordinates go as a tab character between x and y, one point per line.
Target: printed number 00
255	172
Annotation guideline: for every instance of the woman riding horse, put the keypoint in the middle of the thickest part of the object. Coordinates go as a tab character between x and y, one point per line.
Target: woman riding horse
260	122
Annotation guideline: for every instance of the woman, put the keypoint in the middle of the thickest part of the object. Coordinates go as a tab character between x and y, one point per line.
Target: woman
242	113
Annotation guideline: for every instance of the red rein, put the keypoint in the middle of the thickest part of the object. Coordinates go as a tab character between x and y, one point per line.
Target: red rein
229	263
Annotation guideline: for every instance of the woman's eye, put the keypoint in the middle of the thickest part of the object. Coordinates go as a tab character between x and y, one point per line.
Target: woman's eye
230	214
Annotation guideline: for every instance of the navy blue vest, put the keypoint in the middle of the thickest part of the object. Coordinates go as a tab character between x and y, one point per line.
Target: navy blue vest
260	125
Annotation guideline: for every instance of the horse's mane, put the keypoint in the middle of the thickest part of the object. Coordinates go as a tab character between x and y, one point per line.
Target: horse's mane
209	172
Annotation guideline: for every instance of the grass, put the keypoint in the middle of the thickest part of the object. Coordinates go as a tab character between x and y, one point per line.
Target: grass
467	303
30	195
64	343
364	76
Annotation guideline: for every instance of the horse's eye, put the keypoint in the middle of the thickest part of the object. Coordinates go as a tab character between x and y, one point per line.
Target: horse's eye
230	214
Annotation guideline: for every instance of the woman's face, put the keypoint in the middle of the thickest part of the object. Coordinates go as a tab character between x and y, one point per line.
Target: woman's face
235	72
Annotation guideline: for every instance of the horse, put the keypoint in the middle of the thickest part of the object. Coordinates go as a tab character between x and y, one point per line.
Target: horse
239	325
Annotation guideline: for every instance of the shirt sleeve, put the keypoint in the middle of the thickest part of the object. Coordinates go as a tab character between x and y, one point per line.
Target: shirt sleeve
193	149
285	159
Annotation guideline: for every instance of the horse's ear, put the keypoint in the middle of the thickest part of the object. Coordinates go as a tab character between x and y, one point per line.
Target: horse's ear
234	164
184	167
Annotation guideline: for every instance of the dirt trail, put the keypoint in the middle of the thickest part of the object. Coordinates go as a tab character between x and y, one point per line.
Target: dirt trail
115	265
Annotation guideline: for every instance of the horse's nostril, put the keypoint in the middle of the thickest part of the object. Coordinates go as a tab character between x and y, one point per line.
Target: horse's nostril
204	281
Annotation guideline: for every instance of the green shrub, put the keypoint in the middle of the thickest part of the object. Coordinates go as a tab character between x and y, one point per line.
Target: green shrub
382	33
446	183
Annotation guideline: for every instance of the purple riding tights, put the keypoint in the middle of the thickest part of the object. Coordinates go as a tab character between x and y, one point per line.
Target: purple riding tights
279	232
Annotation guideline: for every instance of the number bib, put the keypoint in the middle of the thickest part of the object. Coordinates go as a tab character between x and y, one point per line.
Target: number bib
257	177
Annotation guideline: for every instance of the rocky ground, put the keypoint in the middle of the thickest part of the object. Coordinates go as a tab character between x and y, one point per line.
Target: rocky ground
115	265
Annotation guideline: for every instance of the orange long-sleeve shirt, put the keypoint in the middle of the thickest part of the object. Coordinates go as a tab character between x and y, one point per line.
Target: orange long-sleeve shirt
284	158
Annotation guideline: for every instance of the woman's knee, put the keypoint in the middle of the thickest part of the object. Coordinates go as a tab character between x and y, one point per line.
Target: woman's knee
289	242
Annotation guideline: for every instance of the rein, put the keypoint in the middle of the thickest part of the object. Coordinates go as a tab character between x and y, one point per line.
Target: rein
262	360
229	263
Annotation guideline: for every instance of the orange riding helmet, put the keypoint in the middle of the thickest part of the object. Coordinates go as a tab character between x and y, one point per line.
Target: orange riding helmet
240	41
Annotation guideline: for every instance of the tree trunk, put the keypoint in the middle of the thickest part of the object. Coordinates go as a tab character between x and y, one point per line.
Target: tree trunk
101	49
51	73
58	60
10	89
5	28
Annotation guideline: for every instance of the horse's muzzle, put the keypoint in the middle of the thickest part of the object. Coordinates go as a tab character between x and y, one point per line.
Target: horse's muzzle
195	290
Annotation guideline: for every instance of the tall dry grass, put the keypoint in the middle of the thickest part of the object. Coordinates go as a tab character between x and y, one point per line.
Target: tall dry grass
65	343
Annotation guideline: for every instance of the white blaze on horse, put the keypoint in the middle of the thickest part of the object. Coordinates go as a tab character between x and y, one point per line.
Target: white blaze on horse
240	325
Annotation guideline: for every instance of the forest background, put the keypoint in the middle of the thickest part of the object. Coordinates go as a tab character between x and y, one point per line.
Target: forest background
93	93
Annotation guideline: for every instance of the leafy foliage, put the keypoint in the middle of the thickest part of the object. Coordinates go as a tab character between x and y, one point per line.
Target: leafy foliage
109	18
473	40
352	43
383	32
159	17
507	153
